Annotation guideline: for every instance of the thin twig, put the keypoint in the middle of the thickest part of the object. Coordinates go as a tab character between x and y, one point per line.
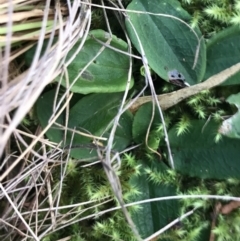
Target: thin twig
168	100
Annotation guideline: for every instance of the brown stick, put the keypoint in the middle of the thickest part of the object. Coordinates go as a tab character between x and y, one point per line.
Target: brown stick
168	100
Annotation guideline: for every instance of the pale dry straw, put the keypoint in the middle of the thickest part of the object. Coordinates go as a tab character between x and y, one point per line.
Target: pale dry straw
29	168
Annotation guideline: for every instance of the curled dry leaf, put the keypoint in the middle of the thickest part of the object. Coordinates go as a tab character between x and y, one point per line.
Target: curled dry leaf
228	208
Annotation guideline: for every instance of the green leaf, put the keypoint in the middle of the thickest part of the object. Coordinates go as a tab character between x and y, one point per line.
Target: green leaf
154	215
223	51
196	154
231	126
29	55
153	141
94	112
44	110
141	122
168	43
123	135
91	114
107	73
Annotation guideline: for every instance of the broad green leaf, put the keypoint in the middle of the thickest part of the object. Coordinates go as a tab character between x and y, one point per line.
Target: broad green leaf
223	51
231	126
29	55
107	73
123	135
168	43
92	114
154	215
141	122
153	141
44	110
196	154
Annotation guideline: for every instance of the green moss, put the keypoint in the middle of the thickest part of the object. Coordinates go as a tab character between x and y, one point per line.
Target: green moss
213	16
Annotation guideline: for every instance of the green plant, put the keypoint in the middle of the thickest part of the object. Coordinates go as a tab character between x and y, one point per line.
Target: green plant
90	172
213	16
